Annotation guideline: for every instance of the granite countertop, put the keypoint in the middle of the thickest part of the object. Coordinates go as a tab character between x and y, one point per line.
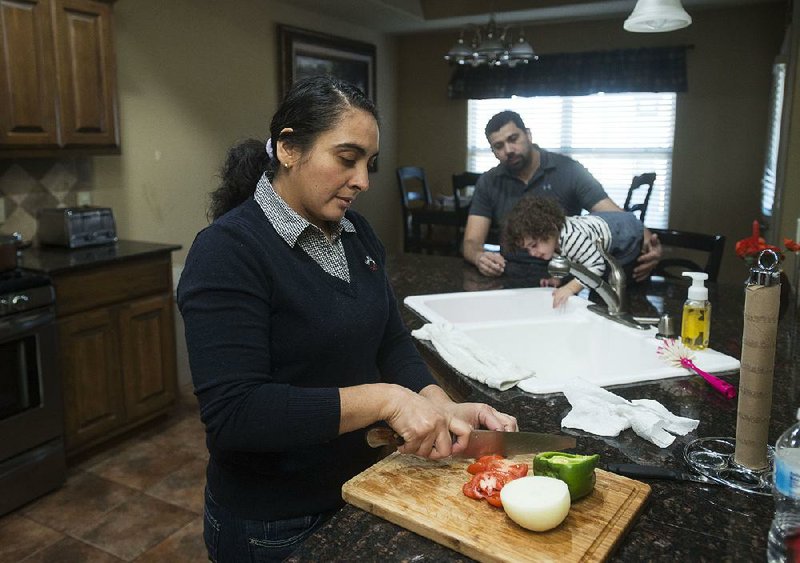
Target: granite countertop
54	259
681	520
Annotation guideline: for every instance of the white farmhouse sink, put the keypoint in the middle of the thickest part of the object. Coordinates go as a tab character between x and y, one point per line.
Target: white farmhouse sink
558	344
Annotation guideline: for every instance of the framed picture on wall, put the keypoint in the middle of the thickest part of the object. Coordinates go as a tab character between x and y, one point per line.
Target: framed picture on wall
305	53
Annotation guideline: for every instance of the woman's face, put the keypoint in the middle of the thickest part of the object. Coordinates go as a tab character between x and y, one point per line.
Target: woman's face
322	183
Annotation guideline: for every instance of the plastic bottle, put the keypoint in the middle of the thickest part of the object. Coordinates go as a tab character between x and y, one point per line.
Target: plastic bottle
783	541
696	325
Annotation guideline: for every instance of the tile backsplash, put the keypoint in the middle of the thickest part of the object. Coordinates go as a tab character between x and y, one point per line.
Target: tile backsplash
27	185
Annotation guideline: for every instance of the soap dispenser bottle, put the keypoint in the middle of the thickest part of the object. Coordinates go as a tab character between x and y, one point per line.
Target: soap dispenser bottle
696	324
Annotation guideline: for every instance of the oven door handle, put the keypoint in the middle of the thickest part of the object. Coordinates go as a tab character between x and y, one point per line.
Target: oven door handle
14	325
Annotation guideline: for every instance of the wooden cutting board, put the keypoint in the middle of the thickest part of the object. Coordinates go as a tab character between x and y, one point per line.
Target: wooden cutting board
425	497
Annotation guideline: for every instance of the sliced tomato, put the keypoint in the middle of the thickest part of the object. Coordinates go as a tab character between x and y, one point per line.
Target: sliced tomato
489	474
475	468
491	482
471	490
486	483
486	463
490	458
517	470
497	463
494	500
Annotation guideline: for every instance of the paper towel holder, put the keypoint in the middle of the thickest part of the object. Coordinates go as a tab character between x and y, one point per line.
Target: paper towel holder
716	457
766	271
713	457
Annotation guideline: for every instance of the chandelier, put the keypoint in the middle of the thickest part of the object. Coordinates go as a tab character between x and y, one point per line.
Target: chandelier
492	47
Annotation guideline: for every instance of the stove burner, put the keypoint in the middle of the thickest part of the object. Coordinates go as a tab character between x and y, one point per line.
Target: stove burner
20	279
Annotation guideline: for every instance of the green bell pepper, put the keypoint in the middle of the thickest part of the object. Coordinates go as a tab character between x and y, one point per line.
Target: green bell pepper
576	470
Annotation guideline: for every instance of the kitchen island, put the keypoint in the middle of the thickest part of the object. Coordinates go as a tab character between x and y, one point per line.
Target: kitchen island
681	521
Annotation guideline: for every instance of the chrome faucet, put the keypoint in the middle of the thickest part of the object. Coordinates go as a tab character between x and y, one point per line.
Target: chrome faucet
612	291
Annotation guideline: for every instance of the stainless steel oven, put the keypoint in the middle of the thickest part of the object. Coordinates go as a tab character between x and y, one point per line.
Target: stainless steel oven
31	411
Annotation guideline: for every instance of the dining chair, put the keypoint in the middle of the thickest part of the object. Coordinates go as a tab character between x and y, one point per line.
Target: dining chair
461	181
461	202
418	212
642	180
683	252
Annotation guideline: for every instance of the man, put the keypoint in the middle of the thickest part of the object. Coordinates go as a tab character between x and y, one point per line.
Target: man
527	169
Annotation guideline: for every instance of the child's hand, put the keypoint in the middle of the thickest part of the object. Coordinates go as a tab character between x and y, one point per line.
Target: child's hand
561	295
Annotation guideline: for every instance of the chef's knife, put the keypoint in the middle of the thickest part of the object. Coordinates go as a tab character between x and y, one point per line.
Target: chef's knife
487	442
639	471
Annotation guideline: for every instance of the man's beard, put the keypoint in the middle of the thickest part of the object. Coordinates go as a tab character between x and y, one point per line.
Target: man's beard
522	160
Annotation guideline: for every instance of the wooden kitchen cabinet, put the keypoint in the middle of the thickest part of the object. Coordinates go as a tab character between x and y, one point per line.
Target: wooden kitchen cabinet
92	377
57	77
117	347
147	349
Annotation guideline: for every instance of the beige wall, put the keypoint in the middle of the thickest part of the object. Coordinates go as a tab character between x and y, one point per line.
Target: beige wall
195	77
721	122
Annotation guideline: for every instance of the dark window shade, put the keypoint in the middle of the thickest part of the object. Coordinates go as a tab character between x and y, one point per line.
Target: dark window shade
655	69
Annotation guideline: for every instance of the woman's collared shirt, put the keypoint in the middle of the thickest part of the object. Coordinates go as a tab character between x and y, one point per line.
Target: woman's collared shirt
297	231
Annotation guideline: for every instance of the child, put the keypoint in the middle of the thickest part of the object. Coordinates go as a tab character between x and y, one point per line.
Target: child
539	226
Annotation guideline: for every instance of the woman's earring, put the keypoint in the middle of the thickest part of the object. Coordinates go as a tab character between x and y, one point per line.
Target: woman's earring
286	165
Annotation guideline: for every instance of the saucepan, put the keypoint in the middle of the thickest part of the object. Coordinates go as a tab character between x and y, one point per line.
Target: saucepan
9	247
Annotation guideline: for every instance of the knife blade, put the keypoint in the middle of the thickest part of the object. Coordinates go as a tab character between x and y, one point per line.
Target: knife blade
487	442
639	471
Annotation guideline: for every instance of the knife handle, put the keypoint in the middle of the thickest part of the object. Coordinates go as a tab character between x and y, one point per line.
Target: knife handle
383	436
644	471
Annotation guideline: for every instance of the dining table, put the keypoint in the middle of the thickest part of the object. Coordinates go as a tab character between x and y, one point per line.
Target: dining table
681	520
444	212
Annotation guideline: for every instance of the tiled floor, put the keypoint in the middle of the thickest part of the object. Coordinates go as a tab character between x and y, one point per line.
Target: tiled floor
141	500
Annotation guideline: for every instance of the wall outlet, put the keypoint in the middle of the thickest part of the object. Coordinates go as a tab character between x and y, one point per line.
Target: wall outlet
84	198
2	210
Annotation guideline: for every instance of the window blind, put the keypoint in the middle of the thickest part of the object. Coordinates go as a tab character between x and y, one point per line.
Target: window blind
769	177
615	136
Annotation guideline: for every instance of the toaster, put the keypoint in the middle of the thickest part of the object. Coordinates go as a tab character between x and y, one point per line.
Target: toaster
76	227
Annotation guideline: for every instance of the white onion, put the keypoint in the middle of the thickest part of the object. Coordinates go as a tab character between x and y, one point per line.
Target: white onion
537	503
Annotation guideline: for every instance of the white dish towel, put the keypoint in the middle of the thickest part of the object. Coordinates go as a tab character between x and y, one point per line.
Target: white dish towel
601	412
470	358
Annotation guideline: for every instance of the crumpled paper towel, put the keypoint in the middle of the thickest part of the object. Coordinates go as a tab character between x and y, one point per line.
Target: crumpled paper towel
601	412
470	358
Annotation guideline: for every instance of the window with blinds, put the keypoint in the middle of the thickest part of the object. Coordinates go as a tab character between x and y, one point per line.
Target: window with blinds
769	177
615	136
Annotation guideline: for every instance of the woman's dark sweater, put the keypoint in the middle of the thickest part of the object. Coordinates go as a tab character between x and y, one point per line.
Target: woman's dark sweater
271	339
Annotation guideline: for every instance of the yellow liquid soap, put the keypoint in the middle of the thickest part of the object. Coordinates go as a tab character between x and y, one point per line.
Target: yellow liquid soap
696	325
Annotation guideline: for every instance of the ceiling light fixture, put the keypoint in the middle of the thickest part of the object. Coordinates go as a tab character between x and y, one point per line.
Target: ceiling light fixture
653	16
492	47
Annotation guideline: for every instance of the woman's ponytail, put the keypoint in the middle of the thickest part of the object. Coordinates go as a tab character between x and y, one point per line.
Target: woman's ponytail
243	167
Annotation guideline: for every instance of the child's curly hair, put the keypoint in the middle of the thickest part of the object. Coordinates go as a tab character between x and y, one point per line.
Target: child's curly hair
532	217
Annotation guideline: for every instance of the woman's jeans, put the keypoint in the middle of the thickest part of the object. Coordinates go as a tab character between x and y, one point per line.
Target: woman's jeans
230	539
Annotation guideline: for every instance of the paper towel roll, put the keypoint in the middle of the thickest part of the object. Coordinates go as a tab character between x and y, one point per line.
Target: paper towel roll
761	305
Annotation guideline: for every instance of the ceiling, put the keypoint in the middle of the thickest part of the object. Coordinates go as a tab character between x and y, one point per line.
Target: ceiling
408	16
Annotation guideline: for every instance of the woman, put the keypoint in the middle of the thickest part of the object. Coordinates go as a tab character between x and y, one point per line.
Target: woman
295	341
